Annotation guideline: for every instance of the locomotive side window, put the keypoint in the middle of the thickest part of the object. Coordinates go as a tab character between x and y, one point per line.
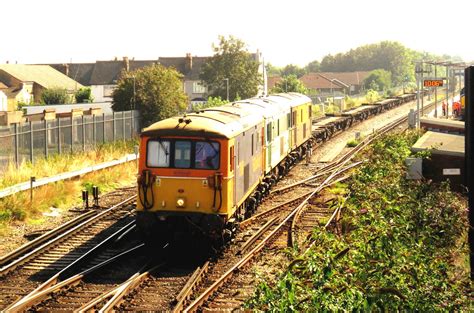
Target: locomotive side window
231	158
269	132
158	153
207	155
182	154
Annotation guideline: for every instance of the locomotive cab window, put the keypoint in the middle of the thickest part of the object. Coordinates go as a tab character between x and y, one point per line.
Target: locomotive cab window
182	154
207	155
158	154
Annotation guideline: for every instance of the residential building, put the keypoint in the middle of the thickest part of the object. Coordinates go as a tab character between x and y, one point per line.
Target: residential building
272	81
102	76
317	83
33	79
355	80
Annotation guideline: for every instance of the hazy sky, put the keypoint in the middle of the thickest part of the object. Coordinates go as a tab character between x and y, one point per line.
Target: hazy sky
298	31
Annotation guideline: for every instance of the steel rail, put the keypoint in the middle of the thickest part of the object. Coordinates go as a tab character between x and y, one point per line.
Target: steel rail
325	170
55	241
255	236
190	286
44	238
27	302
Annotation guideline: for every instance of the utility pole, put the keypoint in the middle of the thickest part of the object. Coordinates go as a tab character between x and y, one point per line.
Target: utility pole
447	90
422	94
469	166
418	69
436	93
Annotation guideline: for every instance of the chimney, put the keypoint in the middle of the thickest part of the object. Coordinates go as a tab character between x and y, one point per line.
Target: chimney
66	69
126	64
188	65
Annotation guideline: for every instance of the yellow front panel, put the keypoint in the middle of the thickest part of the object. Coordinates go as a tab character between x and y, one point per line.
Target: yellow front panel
186	195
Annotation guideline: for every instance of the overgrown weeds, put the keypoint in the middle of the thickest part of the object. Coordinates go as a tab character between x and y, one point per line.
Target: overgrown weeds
56	164
398	248
63	195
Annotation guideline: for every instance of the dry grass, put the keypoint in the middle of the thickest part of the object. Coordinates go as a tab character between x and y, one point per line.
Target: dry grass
61	196
57	164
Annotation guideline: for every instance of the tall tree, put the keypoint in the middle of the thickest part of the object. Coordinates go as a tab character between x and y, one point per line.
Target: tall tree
292	69
156	91
387	55
289	83
378	80
272	70
231	69
313	67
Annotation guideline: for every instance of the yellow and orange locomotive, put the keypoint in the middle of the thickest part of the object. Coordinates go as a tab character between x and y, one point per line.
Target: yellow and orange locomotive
204	172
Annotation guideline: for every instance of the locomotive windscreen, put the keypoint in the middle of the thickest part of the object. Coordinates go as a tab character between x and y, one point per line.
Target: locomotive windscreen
179	153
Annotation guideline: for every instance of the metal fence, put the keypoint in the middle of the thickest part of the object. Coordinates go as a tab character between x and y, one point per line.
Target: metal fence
29	141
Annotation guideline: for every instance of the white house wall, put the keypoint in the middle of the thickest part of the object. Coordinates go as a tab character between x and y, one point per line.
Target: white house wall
102	93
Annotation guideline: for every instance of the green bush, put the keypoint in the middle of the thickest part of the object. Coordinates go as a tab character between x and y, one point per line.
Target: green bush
55	96
84	95
397	252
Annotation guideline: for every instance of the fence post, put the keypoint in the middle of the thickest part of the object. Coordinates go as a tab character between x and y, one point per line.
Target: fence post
45	138
83	135
31	142
17	146
72	131
94	135
123	125
113	126
58	124
103	127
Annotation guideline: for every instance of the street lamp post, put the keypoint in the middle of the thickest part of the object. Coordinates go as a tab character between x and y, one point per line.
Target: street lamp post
132	107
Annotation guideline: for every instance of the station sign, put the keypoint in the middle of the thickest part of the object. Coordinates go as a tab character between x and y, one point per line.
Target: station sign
433	83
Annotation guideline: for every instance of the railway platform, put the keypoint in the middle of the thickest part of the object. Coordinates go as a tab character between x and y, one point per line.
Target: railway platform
447	157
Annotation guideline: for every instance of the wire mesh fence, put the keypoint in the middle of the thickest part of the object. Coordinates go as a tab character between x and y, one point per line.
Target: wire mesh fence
38	139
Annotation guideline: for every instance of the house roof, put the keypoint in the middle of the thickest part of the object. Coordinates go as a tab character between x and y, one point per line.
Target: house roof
318	81
349	78
179	63
108	72
272	81
80	72
43	75
12	92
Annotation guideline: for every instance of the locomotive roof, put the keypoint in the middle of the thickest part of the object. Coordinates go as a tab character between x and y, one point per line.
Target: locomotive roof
225	121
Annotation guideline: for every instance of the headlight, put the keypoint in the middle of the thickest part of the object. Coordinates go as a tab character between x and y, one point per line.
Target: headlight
180	203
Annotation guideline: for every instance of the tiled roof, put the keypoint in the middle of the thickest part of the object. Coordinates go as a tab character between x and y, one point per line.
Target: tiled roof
317	81
106	72
80	72
43	75
272	81
349	78
179	63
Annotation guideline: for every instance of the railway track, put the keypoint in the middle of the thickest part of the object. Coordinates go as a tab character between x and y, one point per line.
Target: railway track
62	250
